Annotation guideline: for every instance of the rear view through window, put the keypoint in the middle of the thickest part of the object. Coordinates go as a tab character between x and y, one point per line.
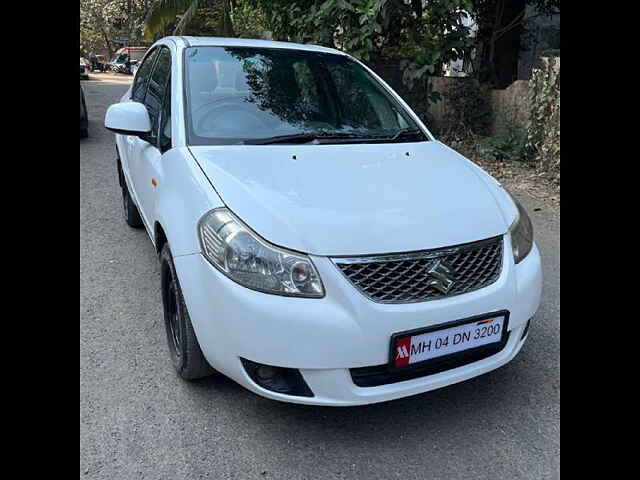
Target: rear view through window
239	95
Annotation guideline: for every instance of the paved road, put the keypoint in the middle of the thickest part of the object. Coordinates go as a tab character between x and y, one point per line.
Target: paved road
138	420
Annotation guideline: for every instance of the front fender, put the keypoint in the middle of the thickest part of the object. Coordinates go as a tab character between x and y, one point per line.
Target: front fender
184	195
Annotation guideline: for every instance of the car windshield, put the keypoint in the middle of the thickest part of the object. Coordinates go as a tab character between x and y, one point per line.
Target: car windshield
263	95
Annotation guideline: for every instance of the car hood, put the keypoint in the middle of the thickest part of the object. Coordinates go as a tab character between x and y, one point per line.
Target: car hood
357	199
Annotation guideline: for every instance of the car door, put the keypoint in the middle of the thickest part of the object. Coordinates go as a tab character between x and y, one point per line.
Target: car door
147	150
138	92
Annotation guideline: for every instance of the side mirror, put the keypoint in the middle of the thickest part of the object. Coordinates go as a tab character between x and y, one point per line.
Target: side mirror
128	118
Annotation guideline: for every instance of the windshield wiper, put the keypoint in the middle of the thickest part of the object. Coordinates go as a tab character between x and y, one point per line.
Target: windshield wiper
318	137
296	138
406	132
334	137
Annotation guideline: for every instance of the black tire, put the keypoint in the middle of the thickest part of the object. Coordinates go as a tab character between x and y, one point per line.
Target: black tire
129	209
84	120
184	349
119	169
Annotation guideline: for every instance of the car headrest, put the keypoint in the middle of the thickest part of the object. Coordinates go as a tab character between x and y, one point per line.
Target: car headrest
203	78
241	81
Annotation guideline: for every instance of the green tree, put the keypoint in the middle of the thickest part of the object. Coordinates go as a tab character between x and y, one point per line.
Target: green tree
211	17
97	30
102	21
428	32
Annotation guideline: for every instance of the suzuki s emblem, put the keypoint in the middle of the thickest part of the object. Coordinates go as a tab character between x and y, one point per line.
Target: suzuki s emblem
442	275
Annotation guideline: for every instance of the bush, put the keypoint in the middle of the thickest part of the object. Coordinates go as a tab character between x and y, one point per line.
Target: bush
543	133
468	111
506	147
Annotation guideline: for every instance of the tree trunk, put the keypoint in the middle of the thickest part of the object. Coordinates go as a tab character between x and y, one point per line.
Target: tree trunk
227	25
108	43
130	23
507	43
499	30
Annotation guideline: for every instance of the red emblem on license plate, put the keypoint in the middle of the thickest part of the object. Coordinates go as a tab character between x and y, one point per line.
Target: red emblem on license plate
403	351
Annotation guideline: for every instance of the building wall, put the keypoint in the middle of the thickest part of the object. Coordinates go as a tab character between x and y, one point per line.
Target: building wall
510	106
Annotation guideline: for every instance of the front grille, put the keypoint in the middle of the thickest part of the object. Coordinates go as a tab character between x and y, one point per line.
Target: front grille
404	278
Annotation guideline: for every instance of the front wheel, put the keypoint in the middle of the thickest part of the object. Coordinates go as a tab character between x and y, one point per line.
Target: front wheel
129	210
184	349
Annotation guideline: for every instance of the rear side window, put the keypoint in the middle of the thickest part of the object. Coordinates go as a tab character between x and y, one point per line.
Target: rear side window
158	84
165	120
141	81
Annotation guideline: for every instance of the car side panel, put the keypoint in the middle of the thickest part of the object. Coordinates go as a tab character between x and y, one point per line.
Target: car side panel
182	195
123	146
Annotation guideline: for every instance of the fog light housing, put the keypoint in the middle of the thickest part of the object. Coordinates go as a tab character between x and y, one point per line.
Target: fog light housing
266	373
287	381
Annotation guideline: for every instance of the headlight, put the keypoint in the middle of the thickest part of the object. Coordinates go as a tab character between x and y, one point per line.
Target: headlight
249	260
521	233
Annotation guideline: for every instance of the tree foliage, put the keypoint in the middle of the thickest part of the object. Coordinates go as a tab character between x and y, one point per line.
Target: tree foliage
165	13
428	31
103	21
248	19
198	17
543	132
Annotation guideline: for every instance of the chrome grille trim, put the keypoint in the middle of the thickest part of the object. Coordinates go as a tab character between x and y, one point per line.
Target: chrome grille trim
403	277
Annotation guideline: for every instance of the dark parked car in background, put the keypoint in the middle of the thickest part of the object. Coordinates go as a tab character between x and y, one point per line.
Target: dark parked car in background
126	59
101	63
120	64
84	120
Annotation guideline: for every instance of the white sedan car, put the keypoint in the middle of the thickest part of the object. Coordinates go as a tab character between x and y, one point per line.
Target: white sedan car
317	244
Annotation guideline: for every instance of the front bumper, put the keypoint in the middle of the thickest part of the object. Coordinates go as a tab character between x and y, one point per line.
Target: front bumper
326	337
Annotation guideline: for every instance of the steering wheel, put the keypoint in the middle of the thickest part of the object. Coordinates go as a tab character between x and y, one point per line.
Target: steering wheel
224	105
212	102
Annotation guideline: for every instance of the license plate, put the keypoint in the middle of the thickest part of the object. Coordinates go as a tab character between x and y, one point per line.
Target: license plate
417	346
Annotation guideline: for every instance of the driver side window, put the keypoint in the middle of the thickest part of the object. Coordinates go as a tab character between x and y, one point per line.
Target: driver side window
155	97
139	88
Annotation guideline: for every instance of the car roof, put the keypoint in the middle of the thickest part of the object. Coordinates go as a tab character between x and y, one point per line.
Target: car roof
132	49
246	42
